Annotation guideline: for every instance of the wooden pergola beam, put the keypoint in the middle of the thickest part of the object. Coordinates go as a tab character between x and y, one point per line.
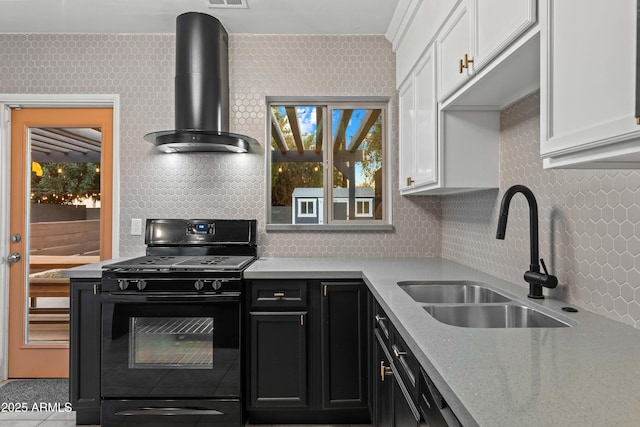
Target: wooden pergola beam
319	127
340	136
277	135
311	156
365	125
295	127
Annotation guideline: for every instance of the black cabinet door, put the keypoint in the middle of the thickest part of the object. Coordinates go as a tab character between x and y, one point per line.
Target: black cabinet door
382	385
84	351
278	359
344	345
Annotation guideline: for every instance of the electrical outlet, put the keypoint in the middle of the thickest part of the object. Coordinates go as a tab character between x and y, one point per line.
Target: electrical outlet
136	227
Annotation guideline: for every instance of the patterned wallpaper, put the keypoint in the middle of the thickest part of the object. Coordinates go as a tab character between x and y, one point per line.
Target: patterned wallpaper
141	69
589	232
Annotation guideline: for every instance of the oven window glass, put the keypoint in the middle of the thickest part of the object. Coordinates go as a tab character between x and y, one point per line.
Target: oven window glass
161	342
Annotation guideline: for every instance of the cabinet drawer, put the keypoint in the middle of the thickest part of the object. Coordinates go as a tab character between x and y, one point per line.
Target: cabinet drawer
381	322
432	406
278	294
406	363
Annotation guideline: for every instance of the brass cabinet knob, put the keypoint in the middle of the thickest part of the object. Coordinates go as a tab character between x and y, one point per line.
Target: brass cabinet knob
410	181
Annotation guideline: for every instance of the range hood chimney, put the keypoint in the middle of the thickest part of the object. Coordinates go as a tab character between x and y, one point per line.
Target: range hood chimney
201	91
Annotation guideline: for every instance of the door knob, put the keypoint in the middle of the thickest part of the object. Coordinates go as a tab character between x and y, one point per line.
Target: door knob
15	238
13	257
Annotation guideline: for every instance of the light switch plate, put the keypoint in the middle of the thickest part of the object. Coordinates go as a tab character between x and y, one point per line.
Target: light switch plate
136	226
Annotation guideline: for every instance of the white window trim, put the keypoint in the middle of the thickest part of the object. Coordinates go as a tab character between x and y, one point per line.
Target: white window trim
313	204
328	223
365	202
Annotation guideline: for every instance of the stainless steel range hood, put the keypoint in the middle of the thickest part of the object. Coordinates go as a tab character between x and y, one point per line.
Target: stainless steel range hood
201	91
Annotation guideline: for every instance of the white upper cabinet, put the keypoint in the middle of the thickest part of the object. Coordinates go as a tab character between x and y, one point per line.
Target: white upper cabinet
455	54
418	130
498	23
476	33
444	47
587	84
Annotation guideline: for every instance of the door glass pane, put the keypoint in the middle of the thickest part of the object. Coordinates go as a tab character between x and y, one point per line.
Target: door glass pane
64	222
357	143
175	342
296	164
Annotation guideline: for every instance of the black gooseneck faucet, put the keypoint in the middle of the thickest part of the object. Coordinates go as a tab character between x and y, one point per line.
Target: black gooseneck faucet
535	279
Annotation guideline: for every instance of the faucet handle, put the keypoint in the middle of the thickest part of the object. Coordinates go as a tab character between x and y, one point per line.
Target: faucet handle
544	266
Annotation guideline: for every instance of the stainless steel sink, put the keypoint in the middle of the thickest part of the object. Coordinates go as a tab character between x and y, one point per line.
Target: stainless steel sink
451	293
493	316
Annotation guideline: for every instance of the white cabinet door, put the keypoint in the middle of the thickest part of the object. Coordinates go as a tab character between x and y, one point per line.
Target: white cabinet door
407	136
418	126
497	24
453	43
426	152
588	83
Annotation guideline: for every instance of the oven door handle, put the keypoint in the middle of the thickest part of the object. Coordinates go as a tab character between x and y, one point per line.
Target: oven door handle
169	411
171	298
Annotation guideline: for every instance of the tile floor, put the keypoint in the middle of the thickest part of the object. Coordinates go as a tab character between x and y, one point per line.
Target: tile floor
68	419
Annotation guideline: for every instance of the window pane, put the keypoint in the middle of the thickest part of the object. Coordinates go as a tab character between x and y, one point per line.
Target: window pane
296	164
357	163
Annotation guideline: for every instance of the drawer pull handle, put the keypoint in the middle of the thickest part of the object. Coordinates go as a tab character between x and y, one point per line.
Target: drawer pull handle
398	353
278	294
384	371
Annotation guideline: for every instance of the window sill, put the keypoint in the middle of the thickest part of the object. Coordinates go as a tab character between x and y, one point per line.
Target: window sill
329	227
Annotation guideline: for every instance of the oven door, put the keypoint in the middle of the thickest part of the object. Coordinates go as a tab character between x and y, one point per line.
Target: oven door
170	346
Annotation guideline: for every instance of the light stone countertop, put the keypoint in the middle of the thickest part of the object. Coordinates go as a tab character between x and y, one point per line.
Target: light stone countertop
585	375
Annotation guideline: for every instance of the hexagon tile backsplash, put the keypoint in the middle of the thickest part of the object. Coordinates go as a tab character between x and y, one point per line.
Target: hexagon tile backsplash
589	223
141	69
589	232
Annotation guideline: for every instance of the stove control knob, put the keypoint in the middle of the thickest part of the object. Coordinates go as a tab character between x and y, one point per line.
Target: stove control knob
123	284
142	284
217	284
199	284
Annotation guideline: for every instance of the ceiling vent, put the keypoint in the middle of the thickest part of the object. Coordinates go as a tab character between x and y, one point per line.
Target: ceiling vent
228	4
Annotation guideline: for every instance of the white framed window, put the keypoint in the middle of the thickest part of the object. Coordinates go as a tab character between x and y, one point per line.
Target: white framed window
307	207
334	151
363	208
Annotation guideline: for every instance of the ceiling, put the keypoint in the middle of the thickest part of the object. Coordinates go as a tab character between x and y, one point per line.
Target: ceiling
158	16
50	144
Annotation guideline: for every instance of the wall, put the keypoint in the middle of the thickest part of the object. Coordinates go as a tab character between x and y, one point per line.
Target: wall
141	68
589	232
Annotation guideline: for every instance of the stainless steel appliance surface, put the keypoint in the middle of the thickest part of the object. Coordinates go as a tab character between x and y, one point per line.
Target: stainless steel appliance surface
171	326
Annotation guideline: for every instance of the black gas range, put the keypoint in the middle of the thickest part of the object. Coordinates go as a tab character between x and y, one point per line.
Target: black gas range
171	326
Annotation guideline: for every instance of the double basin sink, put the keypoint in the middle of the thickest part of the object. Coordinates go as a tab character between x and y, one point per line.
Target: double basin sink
471	305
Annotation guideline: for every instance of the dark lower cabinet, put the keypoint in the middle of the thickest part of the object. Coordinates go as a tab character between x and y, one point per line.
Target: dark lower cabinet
307	358
344	345
403	394
278	360
382	384
84	351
